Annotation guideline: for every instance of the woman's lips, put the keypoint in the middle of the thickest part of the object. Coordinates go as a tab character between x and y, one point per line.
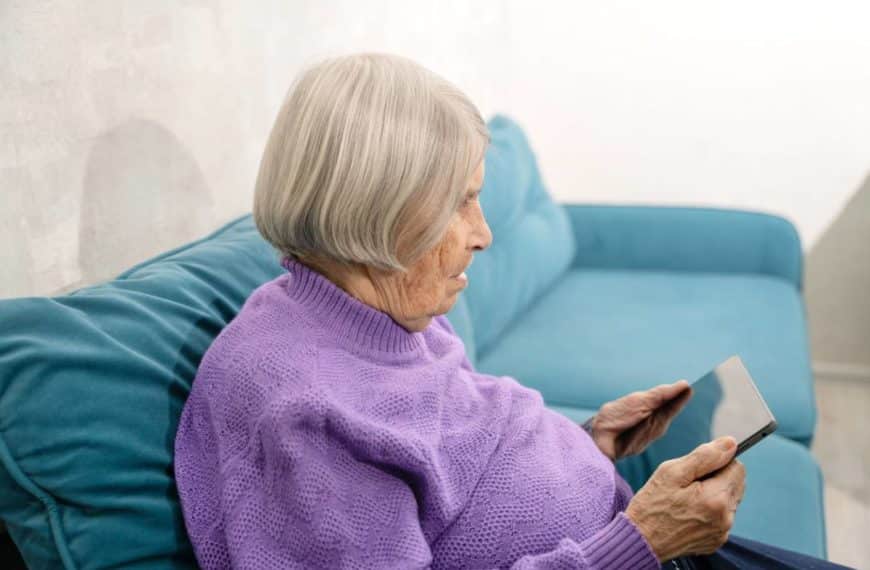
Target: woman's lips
462	276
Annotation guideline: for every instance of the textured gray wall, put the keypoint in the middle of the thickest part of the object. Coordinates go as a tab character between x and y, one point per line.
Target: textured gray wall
838	292
127	128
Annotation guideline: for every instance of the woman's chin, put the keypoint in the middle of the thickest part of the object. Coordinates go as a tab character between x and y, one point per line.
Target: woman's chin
449	301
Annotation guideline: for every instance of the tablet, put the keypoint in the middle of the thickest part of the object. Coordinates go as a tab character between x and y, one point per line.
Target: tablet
725	401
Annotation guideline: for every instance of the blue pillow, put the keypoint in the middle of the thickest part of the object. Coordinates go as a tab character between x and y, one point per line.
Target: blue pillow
91	388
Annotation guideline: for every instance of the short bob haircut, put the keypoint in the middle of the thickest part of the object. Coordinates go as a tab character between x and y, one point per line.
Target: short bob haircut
367	161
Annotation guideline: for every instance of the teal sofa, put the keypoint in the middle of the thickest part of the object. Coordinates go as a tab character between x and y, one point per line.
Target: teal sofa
582	302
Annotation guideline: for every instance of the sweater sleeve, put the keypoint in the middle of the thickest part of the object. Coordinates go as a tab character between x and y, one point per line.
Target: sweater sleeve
617	545
317	505
337	512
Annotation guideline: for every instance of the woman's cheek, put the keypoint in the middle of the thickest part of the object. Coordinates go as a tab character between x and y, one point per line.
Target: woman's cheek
419	283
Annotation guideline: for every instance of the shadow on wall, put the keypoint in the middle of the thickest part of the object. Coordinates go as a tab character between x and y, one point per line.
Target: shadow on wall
837	282
143	193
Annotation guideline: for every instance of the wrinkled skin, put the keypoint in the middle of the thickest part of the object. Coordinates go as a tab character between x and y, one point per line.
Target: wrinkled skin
680	512
432	284
688	505
628	425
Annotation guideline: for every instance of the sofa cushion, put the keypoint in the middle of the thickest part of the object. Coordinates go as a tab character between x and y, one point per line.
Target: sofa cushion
91	388
600	334
532	240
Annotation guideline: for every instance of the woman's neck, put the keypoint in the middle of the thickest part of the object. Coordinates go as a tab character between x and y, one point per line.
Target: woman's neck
376	288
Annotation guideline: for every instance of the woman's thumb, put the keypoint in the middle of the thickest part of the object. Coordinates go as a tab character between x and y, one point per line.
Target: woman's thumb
706	458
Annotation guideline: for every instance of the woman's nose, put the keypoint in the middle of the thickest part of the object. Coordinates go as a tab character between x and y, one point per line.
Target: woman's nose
481	236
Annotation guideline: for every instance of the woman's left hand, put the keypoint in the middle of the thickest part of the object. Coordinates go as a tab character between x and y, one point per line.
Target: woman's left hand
628	425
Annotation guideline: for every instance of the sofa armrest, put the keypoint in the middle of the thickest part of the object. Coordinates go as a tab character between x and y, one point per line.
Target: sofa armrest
686	239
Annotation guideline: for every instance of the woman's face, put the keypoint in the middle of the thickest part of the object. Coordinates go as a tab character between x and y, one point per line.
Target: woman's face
431	286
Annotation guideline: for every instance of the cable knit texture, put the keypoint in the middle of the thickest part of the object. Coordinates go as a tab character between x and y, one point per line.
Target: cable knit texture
319	433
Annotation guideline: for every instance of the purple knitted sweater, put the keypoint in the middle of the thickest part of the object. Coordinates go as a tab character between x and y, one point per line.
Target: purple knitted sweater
319	433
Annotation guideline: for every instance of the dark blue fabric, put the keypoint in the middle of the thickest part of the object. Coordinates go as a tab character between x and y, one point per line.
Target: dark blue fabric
744	554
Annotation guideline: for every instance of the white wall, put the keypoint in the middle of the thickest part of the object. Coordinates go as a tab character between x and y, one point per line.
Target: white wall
129	127
762	105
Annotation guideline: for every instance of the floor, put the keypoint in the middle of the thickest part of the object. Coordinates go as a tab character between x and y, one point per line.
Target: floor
842	446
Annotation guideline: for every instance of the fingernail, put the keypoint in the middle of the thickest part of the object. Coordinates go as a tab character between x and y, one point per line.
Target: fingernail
726	443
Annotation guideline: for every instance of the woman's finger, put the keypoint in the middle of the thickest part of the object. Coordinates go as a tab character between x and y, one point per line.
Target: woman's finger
663	393
669	408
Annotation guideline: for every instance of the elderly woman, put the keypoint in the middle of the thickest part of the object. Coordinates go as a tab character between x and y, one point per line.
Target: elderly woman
337	423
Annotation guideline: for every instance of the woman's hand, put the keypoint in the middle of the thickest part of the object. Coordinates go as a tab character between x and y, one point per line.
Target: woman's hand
679	514
628	425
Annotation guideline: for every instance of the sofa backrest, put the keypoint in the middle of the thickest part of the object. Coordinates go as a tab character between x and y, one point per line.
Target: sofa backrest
533	244
92	383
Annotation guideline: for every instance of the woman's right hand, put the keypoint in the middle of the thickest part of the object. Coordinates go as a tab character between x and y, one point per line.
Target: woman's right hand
680	515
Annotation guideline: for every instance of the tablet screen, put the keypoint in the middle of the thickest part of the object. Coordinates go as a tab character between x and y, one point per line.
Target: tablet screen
724	402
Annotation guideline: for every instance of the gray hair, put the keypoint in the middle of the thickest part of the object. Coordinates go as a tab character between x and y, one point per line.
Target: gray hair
367	161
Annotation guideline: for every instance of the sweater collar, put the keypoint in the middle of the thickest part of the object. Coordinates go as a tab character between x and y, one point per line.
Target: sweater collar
345	316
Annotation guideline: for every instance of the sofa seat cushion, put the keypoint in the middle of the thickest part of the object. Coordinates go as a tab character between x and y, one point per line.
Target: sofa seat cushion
600	334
